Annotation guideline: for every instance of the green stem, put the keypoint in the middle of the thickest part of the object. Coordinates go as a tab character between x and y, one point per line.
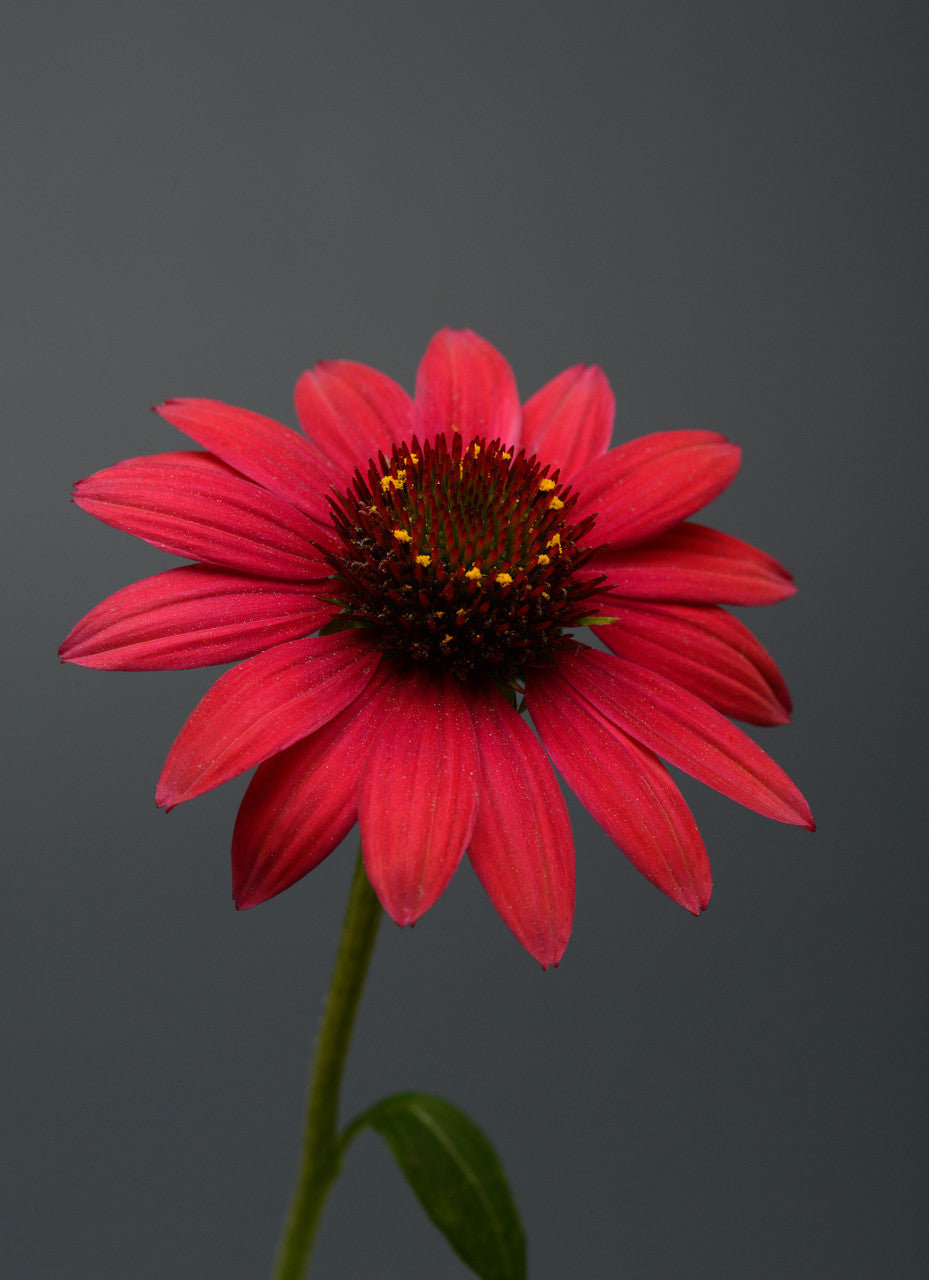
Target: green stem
321	1153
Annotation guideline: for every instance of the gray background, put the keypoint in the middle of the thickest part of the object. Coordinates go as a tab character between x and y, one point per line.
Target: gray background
725	206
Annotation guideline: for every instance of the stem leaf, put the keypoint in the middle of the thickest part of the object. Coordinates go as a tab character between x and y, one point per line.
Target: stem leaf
457	1178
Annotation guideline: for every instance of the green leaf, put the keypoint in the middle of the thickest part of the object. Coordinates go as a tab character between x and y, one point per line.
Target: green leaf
457	1178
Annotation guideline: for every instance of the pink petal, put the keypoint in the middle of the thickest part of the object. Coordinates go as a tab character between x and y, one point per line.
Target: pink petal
648	485
262	706
706	651
464	384
418	795
568	422
194	616
302	803
625	788
522	849
261	449
693	563
191	504
351	411
684	731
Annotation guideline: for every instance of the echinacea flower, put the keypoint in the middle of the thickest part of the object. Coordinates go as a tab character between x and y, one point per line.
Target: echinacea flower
399	582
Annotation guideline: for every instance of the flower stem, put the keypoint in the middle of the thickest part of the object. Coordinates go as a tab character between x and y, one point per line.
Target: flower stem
321	1156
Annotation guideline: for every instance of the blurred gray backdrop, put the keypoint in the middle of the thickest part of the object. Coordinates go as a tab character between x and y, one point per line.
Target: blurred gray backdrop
723	204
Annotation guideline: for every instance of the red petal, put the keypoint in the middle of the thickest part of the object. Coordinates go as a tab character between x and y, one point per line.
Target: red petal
418	795
651	484
568	422
625	788
195	616
522	849
465	384
351	411
694	563
190	504
686	732
262	706
263	450
302	803
706	651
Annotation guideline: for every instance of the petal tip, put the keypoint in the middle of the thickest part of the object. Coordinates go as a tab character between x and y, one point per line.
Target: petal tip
801	815
404	914
164	799
246	898
694	898
734	453
548	954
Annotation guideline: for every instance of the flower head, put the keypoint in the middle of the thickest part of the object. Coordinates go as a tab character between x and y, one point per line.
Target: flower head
399	582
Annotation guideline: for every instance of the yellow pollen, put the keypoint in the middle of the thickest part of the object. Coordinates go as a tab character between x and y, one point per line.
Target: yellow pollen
505	456
425	561
461	613
554	541
402	536
446	639
477	448
413	459
545	485
543	559
555	505
504	579
473	573
393	482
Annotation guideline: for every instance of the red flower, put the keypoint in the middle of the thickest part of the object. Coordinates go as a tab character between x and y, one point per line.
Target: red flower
391	583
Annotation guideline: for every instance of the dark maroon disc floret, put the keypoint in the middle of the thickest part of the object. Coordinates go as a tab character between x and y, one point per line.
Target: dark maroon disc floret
462	556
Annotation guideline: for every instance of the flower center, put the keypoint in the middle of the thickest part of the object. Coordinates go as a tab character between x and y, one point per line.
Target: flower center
461	556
